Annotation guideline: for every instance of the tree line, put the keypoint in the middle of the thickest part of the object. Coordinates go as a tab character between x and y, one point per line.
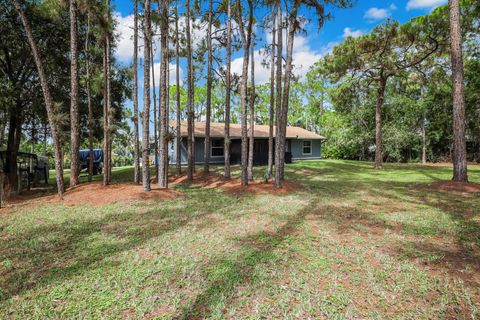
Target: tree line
396	68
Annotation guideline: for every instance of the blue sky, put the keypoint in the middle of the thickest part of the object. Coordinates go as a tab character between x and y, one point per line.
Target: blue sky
362	17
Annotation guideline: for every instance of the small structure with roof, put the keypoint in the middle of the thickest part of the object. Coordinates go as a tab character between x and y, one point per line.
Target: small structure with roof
301	144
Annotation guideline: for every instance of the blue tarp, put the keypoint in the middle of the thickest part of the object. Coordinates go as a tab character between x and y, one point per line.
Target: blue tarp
97	155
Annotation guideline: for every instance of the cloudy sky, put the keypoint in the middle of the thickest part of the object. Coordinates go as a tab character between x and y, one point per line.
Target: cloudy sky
308	48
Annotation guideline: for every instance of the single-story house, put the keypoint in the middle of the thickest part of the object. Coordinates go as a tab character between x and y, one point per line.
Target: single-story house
301	143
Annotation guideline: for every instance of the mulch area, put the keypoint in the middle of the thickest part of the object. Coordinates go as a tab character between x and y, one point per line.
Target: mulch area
451	186
96	195
234	186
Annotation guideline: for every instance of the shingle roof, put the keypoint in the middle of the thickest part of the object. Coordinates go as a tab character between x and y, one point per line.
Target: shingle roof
261	131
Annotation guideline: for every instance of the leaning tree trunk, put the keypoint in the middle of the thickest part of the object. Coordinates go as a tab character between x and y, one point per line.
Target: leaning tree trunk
47	97
190	111
227	92
251	141
136	151
272	100
278	109
89	103
162	168
378	123
74	111
178	160
460	149
285	94
206	153
146	97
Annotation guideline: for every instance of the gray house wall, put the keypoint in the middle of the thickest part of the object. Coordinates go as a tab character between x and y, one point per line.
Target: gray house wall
296	148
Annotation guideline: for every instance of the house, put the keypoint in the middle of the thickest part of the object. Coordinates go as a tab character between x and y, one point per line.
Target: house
301	144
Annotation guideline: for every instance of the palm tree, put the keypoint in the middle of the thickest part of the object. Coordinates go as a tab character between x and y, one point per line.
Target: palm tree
459	150
178	159
74	110
227	92
49	104
147	29
206	153
136	151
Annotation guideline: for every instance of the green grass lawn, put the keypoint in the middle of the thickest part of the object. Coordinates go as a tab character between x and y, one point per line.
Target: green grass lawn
351	243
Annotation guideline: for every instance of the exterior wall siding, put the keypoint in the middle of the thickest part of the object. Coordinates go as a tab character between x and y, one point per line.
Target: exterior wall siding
295	147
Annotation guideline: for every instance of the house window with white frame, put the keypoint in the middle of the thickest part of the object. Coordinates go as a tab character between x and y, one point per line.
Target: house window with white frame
217	148
307	147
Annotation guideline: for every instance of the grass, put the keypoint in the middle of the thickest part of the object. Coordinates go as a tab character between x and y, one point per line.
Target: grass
351	243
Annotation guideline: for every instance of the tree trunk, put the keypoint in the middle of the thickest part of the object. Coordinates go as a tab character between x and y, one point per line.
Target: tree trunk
89	104
424	141
190	111
285	94
162	169
278	110
251	143
48	99
146	97
206	158
156	122
378	123
227	92
74	111
460	148
167	103
106	101
246	39
136	151
272	100
178	160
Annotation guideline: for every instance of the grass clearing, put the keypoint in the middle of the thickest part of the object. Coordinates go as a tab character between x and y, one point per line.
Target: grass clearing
352	242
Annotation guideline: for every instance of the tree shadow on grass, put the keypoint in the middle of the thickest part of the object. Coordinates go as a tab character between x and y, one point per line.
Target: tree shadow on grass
231	272
48	253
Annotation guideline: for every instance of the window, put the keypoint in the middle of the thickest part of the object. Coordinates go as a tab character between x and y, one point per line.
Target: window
216	148
307	147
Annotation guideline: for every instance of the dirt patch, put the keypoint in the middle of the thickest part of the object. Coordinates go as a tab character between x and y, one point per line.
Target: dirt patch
452	186
234	186
97	195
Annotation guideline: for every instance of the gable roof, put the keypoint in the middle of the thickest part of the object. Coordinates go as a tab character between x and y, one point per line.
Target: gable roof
261	131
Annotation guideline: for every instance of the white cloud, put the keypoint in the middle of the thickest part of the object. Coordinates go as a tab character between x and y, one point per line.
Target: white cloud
375	14
172	77
424	4
347	32
303	58
124	33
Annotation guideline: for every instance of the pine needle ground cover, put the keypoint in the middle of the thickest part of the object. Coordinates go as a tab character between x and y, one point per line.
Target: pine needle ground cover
349	242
